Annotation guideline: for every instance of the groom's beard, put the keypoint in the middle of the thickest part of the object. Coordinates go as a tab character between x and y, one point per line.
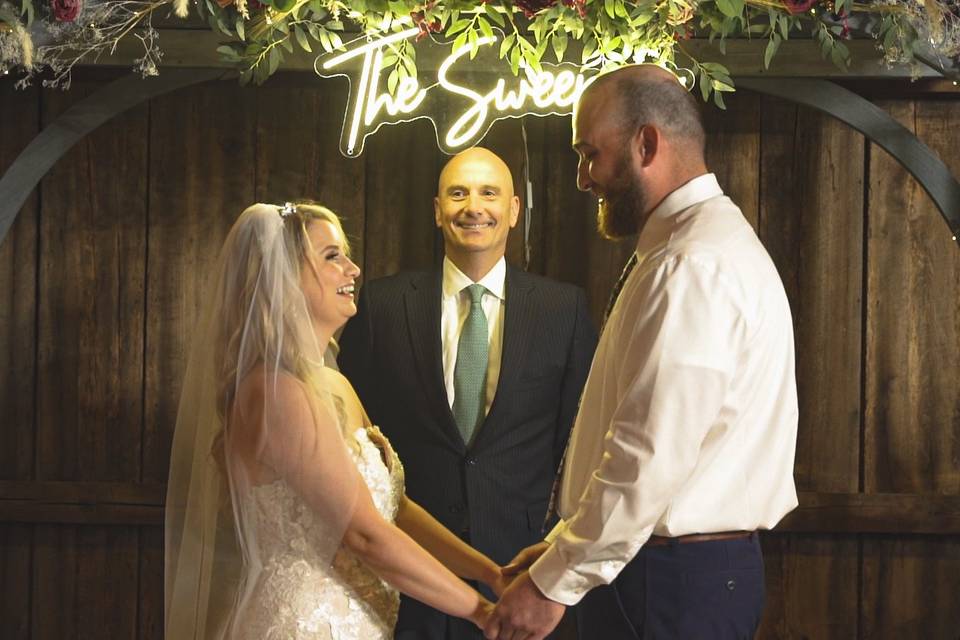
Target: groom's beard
622	204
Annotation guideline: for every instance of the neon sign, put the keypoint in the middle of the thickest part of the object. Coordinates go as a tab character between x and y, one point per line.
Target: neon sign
463	102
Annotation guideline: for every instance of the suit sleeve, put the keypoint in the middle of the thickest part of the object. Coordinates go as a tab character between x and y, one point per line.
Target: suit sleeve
579	359
356	351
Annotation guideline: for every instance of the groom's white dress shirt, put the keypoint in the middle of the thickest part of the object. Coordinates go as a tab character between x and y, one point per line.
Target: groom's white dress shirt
454	308
688	420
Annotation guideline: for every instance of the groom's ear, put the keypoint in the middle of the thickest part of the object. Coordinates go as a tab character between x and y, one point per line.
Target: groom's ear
645	145
436	211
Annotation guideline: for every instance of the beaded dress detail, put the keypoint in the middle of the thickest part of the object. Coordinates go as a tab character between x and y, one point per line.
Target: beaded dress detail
298	597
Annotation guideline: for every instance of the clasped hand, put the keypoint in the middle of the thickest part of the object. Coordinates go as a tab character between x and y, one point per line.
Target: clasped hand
523	612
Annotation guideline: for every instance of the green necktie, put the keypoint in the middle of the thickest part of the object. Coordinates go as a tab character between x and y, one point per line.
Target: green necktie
470	372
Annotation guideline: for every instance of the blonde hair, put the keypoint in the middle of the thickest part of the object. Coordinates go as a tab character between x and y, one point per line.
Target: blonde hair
260	296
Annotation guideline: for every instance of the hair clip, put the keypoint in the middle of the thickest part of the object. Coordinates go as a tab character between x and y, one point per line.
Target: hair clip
288	209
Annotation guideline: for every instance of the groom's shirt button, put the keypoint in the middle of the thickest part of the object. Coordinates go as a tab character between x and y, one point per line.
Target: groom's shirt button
471	461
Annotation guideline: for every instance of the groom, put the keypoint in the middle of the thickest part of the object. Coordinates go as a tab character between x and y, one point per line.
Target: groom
473	371
684	443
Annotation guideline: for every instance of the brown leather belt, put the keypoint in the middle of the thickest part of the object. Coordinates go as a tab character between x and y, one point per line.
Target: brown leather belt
662	541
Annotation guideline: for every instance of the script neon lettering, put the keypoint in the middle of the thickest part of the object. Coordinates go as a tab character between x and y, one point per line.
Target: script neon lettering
545	90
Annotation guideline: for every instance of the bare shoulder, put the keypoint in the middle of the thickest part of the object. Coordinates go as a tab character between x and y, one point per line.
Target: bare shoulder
341	388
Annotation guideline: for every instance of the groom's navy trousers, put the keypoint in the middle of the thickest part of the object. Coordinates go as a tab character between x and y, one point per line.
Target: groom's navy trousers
710	590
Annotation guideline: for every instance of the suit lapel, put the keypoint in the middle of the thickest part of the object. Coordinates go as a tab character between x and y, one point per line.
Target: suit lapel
422	301
518	327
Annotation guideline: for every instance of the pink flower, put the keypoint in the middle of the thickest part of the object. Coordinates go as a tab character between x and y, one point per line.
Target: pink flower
66	10
799	6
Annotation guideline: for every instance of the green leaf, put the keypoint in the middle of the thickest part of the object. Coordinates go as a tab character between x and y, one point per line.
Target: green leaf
771	50
729	8
559	45
325	40
505	45
460	41
241	32
493	14
392	80
276	57
457	27
28	10
718	100
485	27
246	76
389	60
287	43
302	39
228	53
610	8
334	25
515	60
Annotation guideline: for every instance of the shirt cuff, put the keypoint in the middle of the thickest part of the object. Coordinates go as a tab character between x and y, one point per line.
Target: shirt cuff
560	527
555	580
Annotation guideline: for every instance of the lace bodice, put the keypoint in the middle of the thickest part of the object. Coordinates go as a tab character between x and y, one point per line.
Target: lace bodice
298	596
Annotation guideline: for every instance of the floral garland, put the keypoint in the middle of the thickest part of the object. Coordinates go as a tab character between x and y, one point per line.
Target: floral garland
58	34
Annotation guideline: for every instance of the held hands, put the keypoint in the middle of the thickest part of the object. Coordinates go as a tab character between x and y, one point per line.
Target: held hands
481	614
523	612
524	559
501	577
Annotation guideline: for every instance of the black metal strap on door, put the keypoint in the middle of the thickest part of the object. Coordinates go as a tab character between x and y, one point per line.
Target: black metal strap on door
76	122
878	127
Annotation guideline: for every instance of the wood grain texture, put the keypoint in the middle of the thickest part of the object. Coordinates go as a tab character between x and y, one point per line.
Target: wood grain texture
150	589
912	420
910	587
298	154
912	430
202	167
809	589
90	336
733	150
811	212
402	168
573	249
16	556
19	123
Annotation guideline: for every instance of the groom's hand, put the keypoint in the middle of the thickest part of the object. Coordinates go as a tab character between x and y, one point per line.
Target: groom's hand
525	558
523	612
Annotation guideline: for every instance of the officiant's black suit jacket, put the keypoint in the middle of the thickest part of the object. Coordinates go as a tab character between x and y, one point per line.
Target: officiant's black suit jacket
493	493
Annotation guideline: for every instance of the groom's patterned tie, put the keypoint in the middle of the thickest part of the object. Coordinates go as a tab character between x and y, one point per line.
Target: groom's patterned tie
470	371
553	506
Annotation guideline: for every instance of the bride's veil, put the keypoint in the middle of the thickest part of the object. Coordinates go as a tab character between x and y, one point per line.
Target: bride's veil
254	411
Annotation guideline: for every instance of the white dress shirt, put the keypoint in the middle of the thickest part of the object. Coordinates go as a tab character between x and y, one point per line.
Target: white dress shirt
688	421
455	306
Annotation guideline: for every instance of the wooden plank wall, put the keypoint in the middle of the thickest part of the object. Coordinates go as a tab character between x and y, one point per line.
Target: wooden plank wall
101	280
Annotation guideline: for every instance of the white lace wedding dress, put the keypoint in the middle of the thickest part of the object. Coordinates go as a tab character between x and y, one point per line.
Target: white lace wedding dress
299	597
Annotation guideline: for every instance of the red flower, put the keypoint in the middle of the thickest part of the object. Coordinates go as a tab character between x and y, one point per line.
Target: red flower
531	7
65	10
799	6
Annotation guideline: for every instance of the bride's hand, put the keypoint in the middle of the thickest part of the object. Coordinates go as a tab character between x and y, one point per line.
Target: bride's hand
481	613
500	583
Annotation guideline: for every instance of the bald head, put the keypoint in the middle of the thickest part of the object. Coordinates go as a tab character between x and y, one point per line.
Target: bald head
475	208
472	161
649	94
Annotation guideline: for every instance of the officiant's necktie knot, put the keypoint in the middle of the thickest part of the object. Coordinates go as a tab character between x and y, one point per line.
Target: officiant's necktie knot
470	371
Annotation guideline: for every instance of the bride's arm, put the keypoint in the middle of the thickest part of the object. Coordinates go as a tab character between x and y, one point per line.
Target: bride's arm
405	565
303	446
454	553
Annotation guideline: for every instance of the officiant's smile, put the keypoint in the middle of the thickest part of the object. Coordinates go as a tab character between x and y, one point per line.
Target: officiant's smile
475	207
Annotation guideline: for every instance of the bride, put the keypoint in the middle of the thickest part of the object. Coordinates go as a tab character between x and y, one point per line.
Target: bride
286	516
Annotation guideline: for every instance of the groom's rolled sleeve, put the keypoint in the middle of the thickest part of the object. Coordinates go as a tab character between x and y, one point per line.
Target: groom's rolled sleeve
674	364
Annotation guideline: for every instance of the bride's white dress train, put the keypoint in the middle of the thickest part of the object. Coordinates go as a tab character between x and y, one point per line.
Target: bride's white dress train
299	597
